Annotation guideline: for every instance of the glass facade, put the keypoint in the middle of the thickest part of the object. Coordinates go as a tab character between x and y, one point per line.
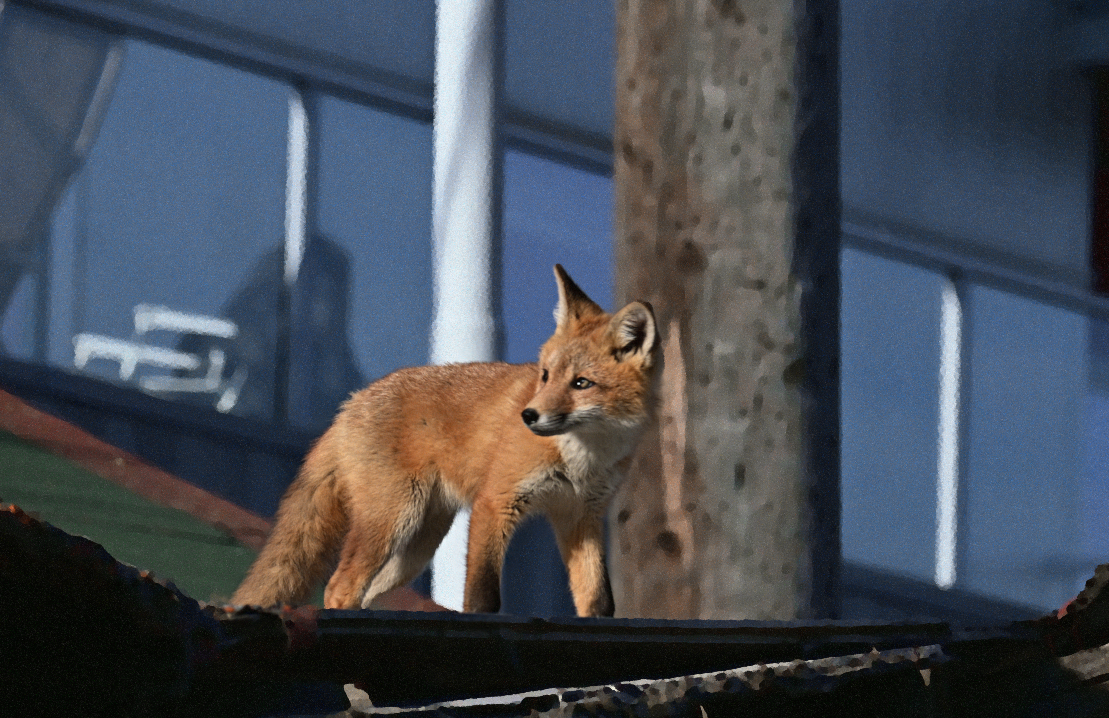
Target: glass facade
165	254
559	64
360	36
1031	476
375	202
972	161
889	373
374	215
1028	399
172	218
553	214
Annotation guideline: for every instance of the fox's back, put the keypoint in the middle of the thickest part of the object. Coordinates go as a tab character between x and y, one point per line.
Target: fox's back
459	422
452	396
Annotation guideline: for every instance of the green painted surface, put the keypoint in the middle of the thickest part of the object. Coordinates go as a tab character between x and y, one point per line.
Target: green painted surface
202	561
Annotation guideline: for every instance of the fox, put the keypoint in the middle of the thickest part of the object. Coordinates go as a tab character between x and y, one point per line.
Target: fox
378	491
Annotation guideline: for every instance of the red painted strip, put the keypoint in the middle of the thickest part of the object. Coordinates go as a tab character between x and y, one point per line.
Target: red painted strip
132	473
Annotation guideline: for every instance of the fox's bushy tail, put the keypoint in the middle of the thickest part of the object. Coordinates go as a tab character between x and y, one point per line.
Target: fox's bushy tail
309	529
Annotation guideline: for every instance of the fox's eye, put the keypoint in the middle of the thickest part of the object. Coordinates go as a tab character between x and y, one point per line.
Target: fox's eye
544	380
581	383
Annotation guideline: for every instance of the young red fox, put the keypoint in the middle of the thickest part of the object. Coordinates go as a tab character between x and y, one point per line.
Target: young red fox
381	487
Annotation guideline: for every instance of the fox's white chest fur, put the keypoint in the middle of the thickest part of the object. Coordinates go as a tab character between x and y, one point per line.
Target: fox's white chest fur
590	461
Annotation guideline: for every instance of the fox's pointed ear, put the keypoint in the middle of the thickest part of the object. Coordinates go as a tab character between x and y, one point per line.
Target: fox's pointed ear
572	301
634	334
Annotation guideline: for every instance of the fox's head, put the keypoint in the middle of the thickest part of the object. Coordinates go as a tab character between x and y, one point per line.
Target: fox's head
597	371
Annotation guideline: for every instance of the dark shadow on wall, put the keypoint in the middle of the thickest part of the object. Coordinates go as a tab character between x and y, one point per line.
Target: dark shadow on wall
313	348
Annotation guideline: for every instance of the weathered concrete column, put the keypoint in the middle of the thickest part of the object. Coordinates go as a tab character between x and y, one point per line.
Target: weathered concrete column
727	218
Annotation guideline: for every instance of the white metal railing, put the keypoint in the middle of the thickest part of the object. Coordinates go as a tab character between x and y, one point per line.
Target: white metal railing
963	269
129	354
151	317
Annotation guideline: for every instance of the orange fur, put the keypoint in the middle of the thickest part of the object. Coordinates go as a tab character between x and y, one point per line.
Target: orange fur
381	487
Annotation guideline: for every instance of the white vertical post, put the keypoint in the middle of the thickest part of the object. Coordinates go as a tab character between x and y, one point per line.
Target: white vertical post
462	211
947	482
296	186
299	164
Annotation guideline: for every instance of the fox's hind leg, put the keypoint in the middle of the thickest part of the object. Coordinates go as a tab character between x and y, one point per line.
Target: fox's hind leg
391	538
363	553
384	512
407	561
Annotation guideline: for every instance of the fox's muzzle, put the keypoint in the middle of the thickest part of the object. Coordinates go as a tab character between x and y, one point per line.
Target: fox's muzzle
541	426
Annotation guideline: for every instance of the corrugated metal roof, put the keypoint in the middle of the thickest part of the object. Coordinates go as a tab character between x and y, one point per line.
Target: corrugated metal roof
83	624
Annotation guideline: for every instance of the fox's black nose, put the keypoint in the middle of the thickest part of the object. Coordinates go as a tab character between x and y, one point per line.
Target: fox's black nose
530	416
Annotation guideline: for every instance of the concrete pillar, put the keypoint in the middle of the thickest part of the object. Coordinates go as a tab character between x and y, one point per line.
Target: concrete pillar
727	214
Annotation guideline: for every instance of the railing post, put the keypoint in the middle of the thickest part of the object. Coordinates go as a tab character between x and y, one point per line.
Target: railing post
949	431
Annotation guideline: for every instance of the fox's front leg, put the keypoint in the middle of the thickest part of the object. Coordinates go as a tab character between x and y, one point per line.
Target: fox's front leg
581	540
492	523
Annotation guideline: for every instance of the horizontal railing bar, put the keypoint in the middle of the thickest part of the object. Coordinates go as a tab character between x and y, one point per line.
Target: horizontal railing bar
320	72
251	52
947	257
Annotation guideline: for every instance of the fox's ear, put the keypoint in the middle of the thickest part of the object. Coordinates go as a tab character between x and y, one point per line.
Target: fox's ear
573	303
633	332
